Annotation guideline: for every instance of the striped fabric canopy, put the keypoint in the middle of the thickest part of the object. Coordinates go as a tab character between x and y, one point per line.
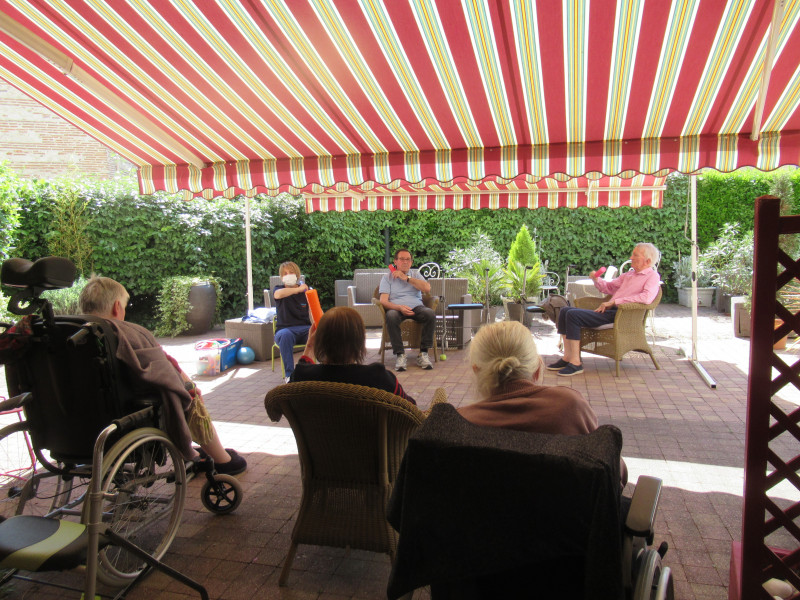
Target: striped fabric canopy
417	103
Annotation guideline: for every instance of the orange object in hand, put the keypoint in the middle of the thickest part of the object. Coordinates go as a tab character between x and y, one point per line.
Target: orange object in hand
313	303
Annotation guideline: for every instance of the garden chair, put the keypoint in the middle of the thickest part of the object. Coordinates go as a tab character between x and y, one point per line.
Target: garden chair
350	440
625	334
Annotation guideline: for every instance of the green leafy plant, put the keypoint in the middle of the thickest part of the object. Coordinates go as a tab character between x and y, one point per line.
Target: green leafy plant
173	303
683	273
730	259
478	263
65	302
518	284
71	221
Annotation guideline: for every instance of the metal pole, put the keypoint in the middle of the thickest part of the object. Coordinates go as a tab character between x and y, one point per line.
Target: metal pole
695	363
249	254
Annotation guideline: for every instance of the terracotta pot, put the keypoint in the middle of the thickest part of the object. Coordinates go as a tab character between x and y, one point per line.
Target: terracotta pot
781	343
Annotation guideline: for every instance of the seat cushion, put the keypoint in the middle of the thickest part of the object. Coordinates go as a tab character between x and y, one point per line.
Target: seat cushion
41	544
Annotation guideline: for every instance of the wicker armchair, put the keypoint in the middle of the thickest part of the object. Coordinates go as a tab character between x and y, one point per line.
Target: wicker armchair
409	329
626	334
350	441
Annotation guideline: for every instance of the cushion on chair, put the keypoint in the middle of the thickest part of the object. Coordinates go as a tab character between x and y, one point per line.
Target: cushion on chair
365	284
42	544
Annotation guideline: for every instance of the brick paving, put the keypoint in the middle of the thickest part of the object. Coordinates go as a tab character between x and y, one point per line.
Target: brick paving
674	426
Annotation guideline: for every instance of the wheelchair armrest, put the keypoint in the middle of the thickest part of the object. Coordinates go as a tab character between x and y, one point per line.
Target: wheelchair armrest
644	505
14	403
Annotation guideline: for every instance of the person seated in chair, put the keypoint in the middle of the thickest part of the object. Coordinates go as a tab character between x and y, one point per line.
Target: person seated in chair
401	295
640	284
338	342
185	414
508	372
293	317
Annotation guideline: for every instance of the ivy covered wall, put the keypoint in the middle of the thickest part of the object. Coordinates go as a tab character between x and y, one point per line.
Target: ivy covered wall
139	240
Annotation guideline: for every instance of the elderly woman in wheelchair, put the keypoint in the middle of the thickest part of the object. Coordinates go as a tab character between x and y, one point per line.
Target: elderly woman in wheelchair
489	503
112	455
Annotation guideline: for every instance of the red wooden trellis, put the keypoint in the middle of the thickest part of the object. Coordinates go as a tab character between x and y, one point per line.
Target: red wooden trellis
753	561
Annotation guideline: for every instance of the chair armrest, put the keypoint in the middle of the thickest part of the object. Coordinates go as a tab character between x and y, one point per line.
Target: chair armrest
351	295
589	302
635	306
644	505
267	299
439	397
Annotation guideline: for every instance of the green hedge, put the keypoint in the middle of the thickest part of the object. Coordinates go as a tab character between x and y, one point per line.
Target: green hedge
140	240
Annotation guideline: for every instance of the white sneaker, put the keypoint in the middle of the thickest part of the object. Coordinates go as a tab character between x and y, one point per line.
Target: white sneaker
285	380
423	362
400	362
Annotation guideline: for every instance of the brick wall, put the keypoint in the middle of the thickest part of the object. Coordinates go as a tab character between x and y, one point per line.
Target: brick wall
37	143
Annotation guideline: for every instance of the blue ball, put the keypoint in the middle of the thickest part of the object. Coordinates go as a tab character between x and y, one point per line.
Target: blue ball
245	355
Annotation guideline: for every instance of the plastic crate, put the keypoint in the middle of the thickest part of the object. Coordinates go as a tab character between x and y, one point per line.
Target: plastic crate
217	355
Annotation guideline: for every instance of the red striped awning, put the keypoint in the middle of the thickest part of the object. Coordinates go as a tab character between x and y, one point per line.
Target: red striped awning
320	97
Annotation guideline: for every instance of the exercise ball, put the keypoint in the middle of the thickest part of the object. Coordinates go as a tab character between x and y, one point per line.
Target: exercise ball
245	355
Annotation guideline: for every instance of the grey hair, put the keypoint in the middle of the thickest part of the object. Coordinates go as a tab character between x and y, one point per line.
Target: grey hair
502	352
99	295
651	252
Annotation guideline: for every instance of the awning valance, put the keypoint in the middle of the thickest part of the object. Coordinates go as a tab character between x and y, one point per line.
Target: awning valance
311	95
613	192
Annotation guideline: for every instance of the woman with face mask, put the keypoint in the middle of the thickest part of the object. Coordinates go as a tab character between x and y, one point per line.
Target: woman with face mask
293	318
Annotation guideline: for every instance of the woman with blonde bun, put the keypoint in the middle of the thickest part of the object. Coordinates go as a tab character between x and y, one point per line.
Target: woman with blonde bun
508	373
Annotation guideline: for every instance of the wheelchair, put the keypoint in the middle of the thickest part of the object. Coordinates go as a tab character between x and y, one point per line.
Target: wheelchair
89	423
487	513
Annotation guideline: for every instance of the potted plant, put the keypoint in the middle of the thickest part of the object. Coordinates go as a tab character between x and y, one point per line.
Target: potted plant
482	266
730	258
521	285
188	305
683	282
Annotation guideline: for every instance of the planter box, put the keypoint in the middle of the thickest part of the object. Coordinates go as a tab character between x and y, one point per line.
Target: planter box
705	296
515	311
741	320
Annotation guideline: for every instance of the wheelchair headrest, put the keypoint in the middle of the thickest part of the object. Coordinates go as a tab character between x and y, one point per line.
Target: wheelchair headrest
48	273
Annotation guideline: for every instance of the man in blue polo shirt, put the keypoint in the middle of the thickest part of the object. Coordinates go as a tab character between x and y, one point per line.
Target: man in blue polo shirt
401	295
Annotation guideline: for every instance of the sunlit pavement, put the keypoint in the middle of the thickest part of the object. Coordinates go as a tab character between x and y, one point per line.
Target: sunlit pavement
674	426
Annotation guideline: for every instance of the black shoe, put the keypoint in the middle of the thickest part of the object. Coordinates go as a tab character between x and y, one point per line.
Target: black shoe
570	370
237	464
558	365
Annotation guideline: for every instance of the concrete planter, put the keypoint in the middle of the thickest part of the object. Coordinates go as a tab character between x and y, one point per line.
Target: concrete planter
705	296
741	320
515	311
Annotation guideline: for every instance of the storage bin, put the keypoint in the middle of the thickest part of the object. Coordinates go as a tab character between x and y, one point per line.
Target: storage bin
257	336
217	355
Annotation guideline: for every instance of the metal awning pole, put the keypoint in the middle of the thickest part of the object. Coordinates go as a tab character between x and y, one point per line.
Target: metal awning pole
249	254
695	363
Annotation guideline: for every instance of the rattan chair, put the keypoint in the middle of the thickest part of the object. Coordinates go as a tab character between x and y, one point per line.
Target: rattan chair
350	440
409	329
626	334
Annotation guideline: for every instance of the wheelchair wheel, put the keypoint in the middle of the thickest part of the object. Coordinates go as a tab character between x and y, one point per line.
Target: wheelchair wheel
144	484
654	581
222	495
23	488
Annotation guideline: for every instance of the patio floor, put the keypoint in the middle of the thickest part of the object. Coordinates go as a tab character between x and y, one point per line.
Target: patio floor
674	426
